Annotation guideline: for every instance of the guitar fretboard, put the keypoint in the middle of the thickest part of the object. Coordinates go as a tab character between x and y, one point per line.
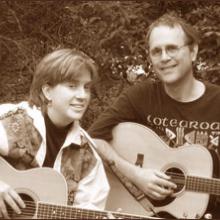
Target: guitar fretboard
49	211
201	184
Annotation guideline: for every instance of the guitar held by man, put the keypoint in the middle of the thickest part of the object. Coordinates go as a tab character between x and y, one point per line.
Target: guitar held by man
183	111
190	168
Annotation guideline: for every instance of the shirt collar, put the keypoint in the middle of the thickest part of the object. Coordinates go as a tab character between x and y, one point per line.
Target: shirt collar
74	135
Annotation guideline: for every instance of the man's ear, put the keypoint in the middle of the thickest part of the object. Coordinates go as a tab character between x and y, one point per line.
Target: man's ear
46	91
194	52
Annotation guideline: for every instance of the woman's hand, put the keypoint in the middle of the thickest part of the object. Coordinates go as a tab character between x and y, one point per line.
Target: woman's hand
10	197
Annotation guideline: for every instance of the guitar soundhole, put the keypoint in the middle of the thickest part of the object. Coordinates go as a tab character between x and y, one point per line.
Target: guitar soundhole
177	177
27	212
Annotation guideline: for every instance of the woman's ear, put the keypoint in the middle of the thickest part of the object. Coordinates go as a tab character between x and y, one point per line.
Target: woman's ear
46	91
194	52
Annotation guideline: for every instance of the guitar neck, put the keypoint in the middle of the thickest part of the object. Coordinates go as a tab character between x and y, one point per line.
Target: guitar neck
201	184
45	211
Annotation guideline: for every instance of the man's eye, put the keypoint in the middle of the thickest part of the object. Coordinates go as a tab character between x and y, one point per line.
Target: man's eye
156	52
172	48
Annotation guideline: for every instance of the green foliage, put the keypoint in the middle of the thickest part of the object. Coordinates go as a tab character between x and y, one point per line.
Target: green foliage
112	32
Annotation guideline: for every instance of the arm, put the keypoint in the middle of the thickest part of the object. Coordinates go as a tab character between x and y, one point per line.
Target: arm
127	107
153	183
7	195
130	106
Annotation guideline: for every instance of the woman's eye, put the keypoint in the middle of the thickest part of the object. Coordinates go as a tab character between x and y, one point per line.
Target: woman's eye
72	85
88	86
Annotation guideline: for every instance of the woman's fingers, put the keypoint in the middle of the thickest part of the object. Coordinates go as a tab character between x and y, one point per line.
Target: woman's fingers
11	202
17	198
3	210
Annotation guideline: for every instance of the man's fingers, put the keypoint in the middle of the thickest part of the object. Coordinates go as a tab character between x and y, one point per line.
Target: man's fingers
157	196
157	192
165	183
110	216
119	210
162	191
162	175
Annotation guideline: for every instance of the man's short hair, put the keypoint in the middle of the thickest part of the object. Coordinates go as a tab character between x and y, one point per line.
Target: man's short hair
62	65
173	21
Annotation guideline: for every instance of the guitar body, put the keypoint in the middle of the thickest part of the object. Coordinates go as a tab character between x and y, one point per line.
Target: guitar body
44	192
41	184
119	197
131	140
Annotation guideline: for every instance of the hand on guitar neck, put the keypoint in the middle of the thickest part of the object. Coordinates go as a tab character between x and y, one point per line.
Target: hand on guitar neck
9	197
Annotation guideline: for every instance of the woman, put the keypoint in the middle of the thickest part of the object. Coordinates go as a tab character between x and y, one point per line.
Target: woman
45	131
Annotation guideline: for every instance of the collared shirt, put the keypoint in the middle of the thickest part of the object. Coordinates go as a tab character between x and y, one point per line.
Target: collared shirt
92	190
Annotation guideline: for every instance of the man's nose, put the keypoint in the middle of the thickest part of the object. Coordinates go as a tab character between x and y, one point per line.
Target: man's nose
164	55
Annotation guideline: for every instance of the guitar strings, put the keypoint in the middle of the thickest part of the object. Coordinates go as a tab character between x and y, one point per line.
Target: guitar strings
76	215
181	176
30	211
176	177
201	184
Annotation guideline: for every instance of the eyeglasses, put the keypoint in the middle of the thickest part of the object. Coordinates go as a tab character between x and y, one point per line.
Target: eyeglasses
171	51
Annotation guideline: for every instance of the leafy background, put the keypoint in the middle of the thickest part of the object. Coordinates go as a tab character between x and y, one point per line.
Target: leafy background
112	32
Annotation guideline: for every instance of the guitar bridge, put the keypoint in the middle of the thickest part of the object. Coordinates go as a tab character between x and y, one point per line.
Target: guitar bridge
140	160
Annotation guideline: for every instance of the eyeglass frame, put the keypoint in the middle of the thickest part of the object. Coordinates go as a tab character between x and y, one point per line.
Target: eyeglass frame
177	49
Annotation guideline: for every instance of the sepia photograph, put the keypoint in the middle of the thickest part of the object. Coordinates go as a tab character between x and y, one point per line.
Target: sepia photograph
109	109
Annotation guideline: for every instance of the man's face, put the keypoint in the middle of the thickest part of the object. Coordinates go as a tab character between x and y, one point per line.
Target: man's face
170	54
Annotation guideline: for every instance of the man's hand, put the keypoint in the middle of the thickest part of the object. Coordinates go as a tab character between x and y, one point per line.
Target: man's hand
153	183
10	197
111	216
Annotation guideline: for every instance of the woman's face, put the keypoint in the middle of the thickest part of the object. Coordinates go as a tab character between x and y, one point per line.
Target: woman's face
69	100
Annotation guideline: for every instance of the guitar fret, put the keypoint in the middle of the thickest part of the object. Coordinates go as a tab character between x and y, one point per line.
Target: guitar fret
200	184
51	211
40	211
73	214
61	212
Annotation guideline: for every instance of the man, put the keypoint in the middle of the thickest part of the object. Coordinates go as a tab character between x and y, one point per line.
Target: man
179	108
45	132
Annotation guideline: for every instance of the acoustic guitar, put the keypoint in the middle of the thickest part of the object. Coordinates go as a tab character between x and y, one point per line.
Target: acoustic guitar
190	167
44	192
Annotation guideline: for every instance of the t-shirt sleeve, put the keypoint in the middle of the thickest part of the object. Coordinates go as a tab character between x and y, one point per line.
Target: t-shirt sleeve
124	109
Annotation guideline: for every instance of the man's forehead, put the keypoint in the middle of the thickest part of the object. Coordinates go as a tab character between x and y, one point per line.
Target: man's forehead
165	34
